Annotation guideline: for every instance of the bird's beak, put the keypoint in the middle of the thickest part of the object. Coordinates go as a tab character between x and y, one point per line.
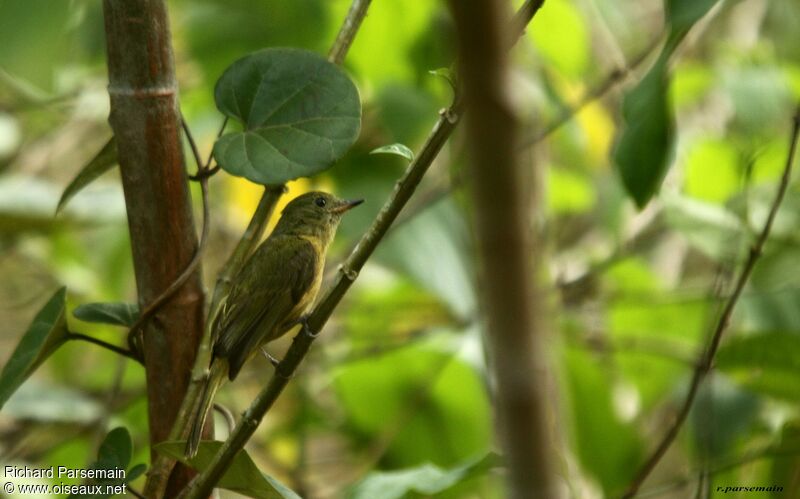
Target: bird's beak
346	205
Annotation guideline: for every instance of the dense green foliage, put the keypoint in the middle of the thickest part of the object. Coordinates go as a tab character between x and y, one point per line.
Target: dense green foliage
395	392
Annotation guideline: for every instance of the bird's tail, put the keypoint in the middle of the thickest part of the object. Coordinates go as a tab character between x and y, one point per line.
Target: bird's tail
200	416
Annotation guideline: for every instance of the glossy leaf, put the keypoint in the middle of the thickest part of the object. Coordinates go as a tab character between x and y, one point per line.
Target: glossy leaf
300	114
47	332
118	314
103	161
396	149
242	476
426	479
642	153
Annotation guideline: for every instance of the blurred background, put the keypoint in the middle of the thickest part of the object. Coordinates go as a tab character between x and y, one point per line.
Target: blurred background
398	379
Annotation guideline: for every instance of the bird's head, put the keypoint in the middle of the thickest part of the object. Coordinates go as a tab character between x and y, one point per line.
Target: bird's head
315	214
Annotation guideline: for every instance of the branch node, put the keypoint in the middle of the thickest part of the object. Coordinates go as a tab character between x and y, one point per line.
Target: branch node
350	274
449	114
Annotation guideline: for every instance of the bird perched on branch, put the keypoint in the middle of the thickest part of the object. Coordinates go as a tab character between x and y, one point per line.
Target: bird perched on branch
271	293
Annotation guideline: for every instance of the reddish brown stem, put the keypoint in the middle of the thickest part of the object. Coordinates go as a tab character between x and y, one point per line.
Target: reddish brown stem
146	124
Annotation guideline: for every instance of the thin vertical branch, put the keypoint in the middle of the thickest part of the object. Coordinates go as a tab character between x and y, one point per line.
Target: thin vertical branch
706	360
146	124
508	254
348	30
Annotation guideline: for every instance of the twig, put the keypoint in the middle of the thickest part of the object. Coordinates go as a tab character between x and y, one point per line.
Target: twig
707	358
202	485
768	452
347	32
108	346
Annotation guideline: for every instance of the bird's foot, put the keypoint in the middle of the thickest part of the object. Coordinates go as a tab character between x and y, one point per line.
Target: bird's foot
306	329
272	360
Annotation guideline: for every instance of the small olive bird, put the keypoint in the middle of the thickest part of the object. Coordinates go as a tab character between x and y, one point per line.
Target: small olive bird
271	293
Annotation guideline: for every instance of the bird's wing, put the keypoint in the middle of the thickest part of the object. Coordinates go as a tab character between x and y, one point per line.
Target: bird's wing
269	293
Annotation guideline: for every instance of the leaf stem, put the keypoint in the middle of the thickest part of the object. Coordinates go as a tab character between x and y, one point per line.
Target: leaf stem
706	360
108	346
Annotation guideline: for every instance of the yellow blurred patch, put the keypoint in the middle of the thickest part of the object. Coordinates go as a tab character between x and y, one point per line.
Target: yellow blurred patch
243	197
598	128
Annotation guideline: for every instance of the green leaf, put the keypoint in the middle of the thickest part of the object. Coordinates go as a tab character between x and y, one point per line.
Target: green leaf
47	332
300	114
118	314
767	363
116	450
426	479
396	149
135	472
243	476
642	153
607	447
103	161
114	453
682	14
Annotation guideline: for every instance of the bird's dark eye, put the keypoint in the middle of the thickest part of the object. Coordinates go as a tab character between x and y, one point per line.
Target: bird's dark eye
320	202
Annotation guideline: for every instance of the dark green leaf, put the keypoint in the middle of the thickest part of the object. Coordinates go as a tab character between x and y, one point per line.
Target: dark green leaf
118	314
47	332
643	151
116	450
103	161
682	14
426	479
396	149
300	114
768	363
135	472
243	476
786	464
114	454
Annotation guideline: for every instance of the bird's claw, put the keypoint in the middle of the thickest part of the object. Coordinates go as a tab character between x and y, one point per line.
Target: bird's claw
306	329
272	360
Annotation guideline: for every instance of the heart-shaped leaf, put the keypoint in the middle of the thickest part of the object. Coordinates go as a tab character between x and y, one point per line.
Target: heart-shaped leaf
300	114
47	332
243	475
